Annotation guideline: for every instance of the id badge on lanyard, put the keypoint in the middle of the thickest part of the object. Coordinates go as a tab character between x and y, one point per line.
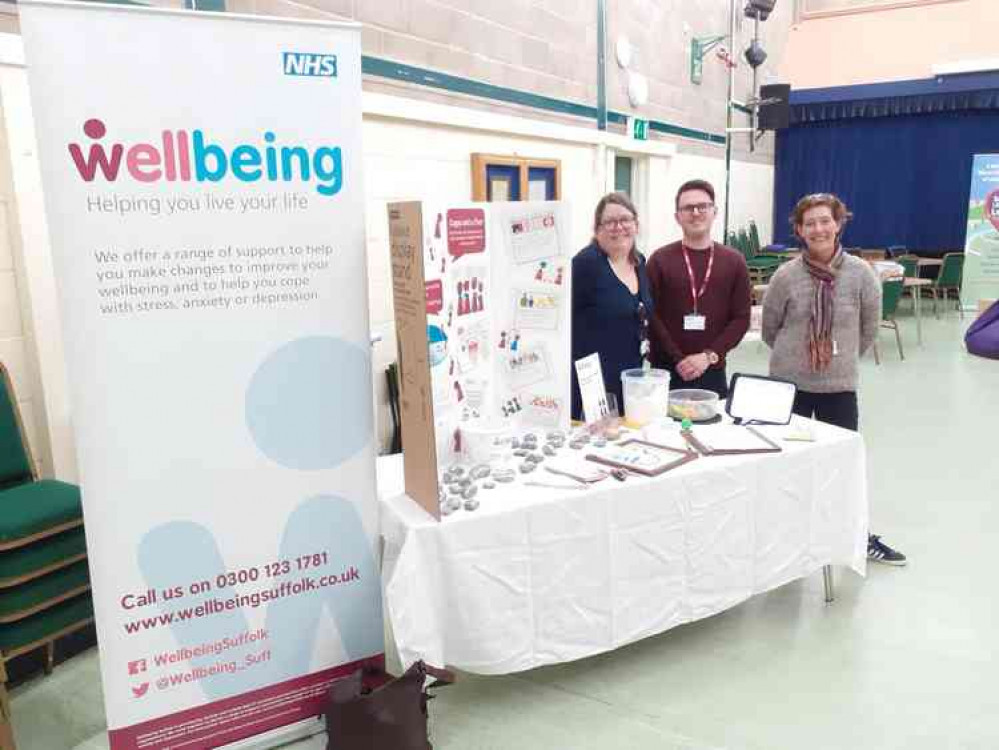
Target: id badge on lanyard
695	321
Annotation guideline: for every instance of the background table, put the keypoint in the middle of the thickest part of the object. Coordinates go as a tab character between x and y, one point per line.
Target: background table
537	576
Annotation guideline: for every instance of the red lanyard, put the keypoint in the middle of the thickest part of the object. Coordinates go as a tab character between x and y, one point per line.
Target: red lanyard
707	274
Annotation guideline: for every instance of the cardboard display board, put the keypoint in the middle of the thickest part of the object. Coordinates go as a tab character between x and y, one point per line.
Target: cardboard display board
487	351
415	403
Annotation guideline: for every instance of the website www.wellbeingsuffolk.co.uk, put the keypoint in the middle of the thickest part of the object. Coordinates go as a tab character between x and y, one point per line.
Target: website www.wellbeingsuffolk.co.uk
215	606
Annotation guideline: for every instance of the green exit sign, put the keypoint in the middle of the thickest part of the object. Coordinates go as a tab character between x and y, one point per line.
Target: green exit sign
639	129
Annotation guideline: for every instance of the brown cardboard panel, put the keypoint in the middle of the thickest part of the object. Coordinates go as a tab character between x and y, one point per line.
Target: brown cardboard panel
416	407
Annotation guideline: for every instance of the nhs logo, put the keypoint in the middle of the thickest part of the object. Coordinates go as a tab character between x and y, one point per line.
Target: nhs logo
309	64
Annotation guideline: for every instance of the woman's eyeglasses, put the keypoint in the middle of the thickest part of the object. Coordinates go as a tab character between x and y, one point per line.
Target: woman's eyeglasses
624	223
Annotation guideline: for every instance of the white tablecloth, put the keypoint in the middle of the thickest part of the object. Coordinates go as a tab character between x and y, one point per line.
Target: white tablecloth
537	576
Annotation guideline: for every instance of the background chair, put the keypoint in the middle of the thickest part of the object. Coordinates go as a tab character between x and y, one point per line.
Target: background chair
891	293
911	265
949	280
761	266
44	580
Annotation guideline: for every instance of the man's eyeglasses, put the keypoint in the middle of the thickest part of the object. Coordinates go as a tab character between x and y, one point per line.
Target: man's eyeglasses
623	223
691	209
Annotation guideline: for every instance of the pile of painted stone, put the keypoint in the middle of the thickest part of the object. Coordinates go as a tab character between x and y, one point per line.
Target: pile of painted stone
526	448
459	486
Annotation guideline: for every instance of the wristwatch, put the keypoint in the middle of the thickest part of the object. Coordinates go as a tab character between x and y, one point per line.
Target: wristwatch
712	357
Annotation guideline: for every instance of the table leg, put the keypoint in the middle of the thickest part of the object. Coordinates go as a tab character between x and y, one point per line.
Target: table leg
918	292
827	579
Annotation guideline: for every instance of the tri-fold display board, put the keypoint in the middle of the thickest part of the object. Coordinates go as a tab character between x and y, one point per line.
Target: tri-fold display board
481	296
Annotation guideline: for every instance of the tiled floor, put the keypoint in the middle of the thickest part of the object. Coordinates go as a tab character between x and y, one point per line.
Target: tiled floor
906	659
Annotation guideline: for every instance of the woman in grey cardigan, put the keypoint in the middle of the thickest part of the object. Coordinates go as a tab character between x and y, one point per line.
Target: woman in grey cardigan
821	312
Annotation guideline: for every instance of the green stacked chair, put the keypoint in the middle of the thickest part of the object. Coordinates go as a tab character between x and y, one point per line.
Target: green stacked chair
760	258
761	266
44	580
754	238
949	280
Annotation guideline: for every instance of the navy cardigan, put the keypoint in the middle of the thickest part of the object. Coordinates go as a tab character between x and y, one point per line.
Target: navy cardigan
605	319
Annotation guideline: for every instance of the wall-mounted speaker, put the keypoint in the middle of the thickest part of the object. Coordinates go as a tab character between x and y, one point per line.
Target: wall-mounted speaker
777	115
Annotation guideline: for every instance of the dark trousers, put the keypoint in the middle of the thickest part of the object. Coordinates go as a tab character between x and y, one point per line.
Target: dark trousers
838	409
713	379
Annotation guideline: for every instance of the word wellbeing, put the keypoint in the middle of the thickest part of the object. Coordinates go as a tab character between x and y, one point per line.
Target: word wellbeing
180	156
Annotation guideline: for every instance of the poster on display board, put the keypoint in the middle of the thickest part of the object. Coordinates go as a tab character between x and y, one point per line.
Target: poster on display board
481	295
981	248
207	233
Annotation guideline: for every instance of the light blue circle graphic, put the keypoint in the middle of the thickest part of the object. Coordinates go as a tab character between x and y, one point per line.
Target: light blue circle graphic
308	405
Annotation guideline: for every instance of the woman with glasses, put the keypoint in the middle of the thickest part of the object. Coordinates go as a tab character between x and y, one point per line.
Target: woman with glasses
820	315
610	297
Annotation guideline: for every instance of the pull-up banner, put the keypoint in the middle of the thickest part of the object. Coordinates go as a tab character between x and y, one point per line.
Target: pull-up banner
202	175
981	246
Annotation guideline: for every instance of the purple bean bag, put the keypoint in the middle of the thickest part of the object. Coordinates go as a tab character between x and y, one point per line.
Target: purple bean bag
982	337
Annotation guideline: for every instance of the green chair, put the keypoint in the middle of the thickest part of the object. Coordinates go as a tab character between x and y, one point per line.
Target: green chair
44	580
911	265
949	280
743	240
891	293
754	238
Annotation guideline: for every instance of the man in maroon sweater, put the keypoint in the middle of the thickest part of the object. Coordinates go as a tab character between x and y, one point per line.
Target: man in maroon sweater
701	294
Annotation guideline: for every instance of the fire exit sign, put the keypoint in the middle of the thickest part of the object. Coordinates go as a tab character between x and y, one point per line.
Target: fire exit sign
639	129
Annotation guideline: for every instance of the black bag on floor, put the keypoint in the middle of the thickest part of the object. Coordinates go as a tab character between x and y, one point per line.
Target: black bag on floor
390	717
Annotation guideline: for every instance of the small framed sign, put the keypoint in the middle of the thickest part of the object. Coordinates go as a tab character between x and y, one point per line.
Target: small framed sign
760	400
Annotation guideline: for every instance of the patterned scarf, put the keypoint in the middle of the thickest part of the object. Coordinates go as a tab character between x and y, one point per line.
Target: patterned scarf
820	343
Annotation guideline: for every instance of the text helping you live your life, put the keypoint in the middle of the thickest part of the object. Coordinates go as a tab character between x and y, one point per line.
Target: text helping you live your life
201	202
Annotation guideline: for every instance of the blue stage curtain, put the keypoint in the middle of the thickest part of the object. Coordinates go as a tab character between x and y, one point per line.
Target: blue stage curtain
905	177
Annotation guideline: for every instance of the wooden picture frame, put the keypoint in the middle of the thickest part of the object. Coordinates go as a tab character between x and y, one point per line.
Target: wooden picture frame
669	458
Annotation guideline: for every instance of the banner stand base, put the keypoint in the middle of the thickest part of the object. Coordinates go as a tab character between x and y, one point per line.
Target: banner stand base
280	736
